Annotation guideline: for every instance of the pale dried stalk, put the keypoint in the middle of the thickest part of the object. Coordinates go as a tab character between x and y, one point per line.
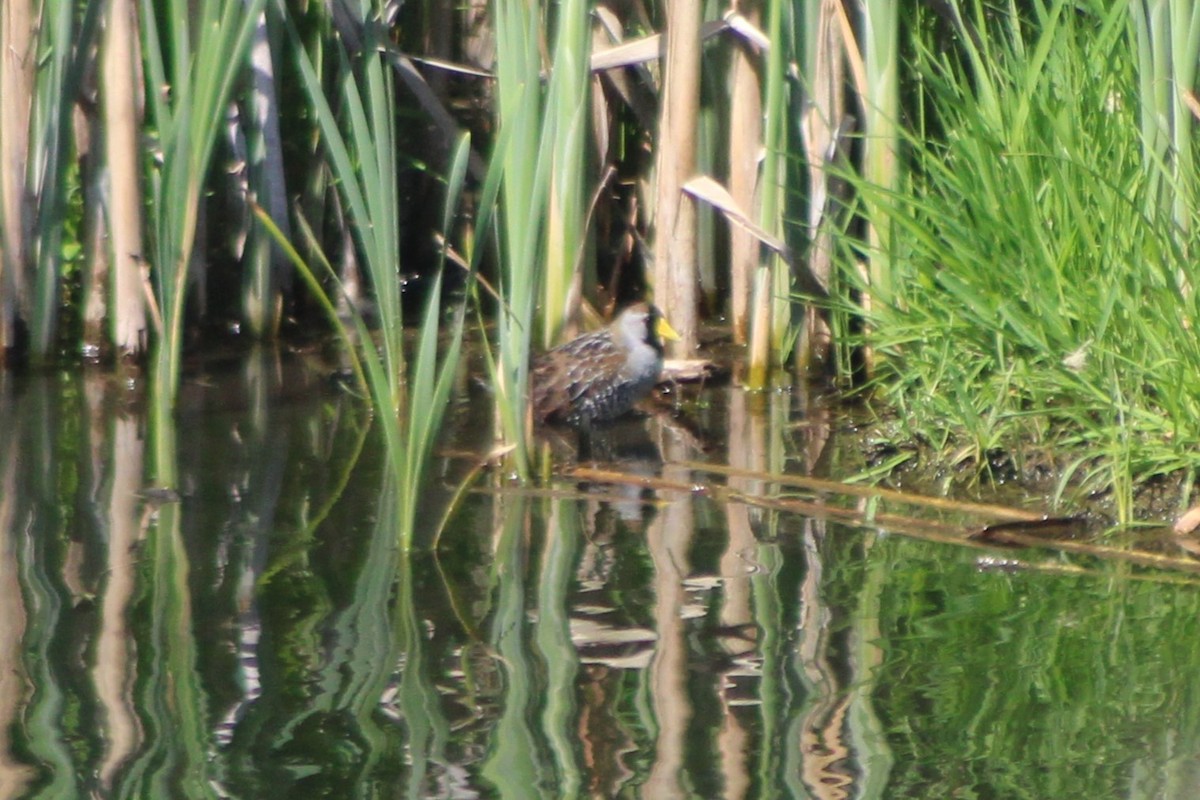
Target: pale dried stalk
119	95
17	39
675	225
745	142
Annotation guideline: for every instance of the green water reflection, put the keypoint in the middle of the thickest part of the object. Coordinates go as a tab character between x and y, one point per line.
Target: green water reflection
261	634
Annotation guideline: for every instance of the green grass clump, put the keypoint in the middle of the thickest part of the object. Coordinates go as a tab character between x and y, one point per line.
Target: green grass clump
410	394
1043	294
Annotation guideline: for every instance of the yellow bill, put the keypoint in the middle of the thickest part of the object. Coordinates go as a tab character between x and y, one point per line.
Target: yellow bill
665	331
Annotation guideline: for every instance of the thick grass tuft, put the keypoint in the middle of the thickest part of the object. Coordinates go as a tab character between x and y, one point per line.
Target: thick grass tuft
1043	294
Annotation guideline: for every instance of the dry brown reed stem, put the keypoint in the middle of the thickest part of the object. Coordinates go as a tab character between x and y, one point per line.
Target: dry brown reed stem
1142	558
913	527
17	62
745	142
995	512
122	136
990	512
675	288
910	527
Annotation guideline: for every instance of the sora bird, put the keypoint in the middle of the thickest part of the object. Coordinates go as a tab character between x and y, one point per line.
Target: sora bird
600	375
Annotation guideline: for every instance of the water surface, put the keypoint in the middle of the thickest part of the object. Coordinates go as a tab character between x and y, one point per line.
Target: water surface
256	632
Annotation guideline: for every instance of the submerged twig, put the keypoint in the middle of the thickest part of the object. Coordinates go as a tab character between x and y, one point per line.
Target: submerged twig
913	527
998	512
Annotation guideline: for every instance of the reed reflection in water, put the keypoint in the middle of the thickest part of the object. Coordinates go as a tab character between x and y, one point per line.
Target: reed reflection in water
254	629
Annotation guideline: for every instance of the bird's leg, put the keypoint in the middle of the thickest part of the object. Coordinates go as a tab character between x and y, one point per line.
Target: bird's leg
585	442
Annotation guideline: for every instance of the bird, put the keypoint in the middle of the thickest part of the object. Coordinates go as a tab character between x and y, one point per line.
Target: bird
601	375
